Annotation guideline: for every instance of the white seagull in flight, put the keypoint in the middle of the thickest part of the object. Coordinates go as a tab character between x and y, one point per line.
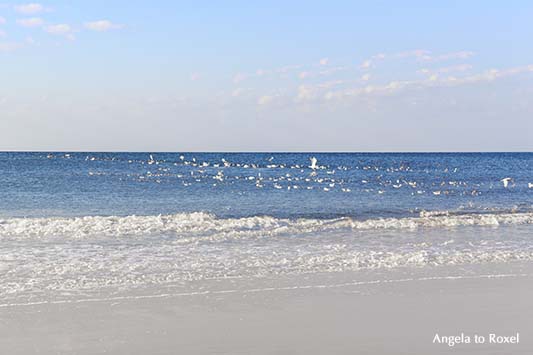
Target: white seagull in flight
506	181
313	163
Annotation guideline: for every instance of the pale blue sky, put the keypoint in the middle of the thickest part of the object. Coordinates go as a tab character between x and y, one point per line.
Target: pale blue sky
277	75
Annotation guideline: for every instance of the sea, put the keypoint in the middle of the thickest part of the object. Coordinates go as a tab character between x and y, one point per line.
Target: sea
80	224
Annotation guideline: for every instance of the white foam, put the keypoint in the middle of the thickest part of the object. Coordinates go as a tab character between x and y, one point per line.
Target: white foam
43	256
199	223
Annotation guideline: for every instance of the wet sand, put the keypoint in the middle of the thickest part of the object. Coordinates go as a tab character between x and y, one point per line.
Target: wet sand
393	312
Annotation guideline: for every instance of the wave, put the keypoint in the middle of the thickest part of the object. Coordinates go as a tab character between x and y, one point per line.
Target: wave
205	224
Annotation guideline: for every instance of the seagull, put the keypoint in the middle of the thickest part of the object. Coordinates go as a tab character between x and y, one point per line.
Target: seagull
506	181
313	163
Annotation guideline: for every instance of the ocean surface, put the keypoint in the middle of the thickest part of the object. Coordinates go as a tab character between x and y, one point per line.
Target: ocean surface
78	224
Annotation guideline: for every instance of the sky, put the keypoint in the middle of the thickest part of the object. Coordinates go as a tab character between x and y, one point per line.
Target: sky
266	76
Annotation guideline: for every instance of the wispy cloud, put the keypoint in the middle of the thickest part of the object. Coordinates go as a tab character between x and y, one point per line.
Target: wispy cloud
368	63
31	22
280	72
61	30
449	69
102	25
351	83
432	81
416	53
29	9
2	20
420	55
332	70
313	73
9	46
446	56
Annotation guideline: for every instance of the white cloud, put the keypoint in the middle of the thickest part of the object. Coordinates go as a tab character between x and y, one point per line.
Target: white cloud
288	68
365	77
450	69
326	71
3	34
2	20
281	72
29	9
195	76
417	53
421	55
433	80
330	84
332	70
315	93
446	56
324	61
31	22
370	62
60	30
487	76
102	25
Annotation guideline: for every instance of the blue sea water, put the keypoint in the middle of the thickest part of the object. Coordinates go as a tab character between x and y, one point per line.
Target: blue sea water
360	185
78	224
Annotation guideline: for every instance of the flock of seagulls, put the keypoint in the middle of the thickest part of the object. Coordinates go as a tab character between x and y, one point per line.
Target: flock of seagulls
293	182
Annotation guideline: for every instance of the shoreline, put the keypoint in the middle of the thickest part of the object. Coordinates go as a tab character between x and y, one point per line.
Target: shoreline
369	312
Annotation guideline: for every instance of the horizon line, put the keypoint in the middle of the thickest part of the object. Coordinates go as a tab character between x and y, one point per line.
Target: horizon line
272	151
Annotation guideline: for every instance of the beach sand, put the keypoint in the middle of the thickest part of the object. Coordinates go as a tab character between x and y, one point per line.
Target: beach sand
371	312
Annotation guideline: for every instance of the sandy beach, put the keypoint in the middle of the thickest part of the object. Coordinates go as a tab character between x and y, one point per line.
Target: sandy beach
371	312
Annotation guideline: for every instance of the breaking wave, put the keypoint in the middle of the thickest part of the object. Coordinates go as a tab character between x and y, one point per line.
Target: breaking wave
205	224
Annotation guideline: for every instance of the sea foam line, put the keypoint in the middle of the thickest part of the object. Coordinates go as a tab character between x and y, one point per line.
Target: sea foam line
265	289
